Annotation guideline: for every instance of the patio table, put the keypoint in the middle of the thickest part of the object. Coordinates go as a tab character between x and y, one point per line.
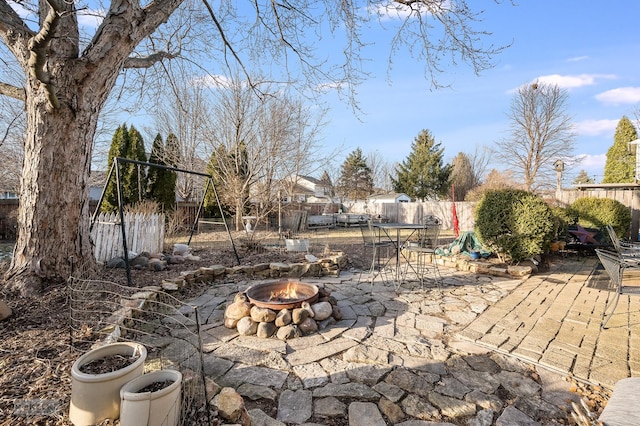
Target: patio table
397	238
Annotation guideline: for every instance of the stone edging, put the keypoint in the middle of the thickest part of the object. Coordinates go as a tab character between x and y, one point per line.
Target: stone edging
329	265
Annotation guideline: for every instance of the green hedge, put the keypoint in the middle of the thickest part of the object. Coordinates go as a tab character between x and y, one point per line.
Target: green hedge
513	223
595	212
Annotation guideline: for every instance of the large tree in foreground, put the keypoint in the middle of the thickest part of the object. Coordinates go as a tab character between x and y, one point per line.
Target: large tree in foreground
65	81
540	133
620	166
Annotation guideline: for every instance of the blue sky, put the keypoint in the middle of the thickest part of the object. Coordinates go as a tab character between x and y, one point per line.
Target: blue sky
589	48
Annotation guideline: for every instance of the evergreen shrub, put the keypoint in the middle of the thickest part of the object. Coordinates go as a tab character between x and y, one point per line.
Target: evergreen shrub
515	224
563	217
595	212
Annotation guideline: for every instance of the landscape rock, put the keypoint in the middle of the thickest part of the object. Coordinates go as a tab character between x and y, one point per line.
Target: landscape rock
298	315
365	414
288	332
322	310
231	407
246	326
265	329
308	326
116	262
238	310
259	314
283	318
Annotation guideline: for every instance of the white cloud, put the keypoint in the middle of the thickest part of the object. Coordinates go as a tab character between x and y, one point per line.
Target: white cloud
573	81
592	161
621	95
216	81
578	58
596	127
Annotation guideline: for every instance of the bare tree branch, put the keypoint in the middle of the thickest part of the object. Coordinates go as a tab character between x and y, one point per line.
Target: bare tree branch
149	60
12	91
38	57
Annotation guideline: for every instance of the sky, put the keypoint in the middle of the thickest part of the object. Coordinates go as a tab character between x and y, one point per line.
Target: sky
588	48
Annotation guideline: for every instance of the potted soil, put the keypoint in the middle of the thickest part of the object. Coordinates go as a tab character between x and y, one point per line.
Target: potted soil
96	379
152	399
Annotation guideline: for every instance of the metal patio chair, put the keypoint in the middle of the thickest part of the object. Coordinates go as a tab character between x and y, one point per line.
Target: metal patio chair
624	248
373	243
615	266
420	254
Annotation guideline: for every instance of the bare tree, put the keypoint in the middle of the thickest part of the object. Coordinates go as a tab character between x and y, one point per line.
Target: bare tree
479	163
380	171
184	110
494	180
541	132
462	176
261	145
66	75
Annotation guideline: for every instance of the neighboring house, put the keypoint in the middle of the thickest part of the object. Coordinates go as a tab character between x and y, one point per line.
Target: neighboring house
96	184
306	189
393	197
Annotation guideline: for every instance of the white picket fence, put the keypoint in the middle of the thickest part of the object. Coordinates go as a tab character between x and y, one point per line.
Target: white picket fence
145	232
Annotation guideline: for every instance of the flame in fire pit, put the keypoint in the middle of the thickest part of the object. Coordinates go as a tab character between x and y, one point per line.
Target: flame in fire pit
285	294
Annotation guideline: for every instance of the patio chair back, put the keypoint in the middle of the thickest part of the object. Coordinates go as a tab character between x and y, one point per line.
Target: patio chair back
428	236
369	236
623	248
615	264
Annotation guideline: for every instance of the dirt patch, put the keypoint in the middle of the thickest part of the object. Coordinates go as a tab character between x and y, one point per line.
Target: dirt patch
156	386
107	364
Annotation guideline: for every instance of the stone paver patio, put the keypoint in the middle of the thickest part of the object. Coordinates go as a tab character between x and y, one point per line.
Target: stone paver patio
553	319
487	350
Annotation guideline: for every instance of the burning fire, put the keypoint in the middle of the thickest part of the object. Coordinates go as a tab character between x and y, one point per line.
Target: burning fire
288	293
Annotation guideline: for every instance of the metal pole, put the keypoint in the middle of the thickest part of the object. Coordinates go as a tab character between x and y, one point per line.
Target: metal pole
122	224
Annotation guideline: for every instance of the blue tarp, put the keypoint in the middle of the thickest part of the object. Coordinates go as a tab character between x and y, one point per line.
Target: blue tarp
466	243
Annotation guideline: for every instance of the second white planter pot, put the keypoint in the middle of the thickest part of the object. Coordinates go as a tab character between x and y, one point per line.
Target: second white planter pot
156	408
96	397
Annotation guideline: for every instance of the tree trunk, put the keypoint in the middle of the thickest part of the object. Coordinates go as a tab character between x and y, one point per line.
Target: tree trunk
53	216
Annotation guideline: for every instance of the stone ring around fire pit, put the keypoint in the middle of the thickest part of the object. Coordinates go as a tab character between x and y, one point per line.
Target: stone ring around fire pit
283	294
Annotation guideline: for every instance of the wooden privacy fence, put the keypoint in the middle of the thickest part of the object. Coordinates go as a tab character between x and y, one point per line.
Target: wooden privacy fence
414	212
145	232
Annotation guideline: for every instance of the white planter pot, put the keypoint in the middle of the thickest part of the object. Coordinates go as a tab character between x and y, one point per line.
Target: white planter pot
157	408
96	397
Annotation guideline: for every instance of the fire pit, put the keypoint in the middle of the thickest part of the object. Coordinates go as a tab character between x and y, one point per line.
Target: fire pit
283	294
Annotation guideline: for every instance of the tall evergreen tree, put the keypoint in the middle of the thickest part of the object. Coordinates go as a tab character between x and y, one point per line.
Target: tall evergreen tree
211	206
356	179
230	174
621	158
582	178
325	179
119	148
161	182
423	175
135	178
